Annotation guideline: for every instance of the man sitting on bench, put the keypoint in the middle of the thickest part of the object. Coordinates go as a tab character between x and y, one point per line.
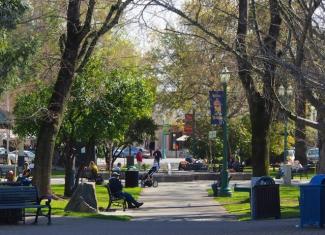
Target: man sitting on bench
116	188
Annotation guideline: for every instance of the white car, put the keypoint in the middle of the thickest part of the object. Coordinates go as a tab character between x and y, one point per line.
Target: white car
28	156
313	154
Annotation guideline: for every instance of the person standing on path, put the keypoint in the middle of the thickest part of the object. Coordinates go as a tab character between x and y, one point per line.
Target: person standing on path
157	156
139	158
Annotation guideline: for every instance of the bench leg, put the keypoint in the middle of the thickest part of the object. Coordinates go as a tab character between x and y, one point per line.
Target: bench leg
49	221
124	205
37	214
109	205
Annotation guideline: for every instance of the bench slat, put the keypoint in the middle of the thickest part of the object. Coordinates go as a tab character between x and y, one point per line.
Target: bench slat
21	197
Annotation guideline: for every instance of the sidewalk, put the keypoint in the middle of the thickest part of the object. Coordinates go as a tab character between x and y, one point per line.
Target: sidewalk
178	201
171	209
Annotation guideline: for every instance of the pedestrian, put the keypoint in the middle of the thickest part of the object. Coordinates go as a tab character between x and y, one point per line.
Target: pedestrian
116	188
117	168
157	156
151	147
139	158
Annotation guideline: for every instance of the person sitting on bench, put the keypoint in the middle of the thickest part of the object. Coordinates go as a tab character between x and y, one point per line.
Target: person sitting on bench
116	188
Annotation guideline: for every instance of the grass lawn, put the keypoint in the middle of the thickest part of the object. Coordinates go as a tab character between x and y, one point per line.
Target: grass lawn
57	174
239	203
102	198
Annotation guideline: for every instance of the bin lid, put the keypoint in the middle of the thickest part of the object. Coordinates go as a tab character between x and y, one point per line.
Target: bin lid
265	180
318	180
132	168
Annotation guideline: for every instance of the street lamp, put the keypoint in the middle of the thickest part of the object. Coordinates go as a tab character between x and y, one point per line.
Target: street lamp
225	190
285	94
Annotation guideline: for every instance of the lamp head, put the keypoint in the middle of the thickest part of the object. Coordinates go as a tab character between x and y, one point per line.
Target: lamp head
289	90
224	76
281	90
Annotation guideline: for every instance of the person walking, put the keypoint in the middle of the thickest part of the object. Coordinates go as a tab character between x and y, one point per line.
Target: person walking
157	156
139	158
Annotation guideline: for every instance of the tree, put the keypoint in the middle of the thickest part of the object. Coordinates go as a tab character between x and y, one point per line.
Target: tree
261	42
11	12
104	106
77	46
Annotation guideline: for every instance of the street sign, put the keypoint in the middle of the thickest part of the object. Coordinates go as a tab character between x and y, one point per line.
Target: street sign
212	135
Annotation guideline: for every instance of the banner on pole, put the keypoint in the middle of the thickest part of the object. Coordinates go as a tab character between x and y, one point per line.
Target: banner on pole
215	98
188	127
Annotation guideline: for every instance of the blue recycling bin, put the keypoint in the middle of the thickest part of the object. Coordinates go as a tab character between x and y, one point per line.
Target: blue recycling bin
312	202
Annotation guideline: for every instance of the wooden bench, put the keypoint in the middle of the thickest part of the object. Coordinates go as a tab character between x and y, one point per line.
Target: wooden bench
301	172
119	201
22	197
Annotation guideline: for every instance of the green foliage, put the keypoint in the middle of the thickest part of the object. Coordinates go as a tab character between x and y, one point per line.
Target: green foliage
277	140
102	105
240	136
30	109
10	12
141	128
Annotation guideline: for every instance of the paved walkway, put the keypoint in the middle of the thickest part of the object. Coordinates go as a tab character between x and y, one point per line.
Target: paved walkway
178	201
173	209
83	226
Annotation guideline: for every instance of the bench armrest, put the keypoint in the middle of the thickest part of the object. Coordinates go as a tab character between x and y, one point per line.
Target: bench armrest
46	197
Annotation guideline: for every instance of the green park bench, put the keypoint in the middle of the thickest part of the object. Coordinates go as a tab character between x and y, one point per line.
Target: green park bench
118	201
19	198
246	189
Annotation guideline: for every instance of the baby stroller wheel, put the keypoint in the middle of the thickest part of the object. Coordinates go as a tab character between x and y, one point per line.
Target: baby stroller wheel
142	184
155	184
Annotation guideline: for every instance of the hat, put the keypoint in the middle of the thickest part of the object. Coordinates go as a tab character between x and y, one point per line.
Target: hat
115	174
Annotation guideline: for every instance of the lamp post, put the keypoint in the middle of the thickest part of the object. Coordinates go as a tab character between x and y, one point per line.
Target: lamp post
225	190
285	94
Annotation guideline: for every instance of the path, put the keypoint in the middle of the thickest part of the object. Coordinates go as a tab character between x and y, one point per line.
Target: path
178	201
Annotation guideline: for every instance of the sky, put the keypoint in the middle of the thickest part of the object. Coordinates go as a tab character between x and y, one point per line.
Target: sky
143	25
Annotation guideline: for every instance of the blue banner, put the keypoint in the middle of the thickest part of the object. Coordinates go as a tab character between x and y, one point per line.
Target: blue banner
216	98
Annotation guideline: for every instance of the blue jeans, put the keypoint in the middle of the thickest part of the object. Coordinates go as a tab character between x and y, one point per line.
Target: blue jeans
128	197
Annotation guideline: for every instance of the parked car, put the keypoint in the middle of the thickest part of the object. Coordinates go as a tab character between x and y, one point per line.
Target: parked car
134	151
313	154
28	156
192	164
3	155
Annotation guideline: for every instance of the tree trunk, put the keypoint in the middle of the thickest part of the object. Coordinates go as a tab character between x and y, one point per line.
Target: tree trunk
90	152
69	169
300	131
321	145
52	119
261	124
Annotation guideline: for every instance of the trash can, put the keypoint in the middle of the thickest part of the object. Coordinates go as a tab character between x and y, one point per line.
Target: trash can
131	178
312	202
265	199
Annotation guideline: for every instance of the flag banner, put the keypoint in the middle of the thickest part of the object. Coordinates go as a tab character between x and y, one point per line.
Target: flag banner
216	98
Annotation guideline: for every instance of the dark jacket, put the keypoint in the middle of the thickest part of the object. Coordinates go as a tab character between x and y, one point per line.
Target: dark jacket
115	185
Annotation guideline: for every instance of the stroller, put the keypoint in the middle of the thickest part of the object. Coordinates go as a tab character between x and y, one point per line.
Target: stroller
148	179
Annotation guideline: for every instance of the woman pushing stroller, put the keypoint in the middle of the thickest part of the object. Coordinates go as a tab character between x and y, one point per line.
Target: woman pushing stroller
147	179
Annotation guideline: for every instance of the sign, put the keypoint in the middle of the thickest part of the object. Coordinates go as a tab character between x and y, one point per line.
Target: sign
188	126
212	135
216	98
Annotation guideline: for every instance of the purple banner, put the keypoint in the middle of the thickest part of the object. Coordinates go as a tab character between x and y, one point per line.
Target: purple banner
216	107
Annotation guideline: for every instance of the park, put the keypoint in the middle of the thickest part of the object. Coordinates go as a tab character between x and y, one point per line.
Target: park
162	116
